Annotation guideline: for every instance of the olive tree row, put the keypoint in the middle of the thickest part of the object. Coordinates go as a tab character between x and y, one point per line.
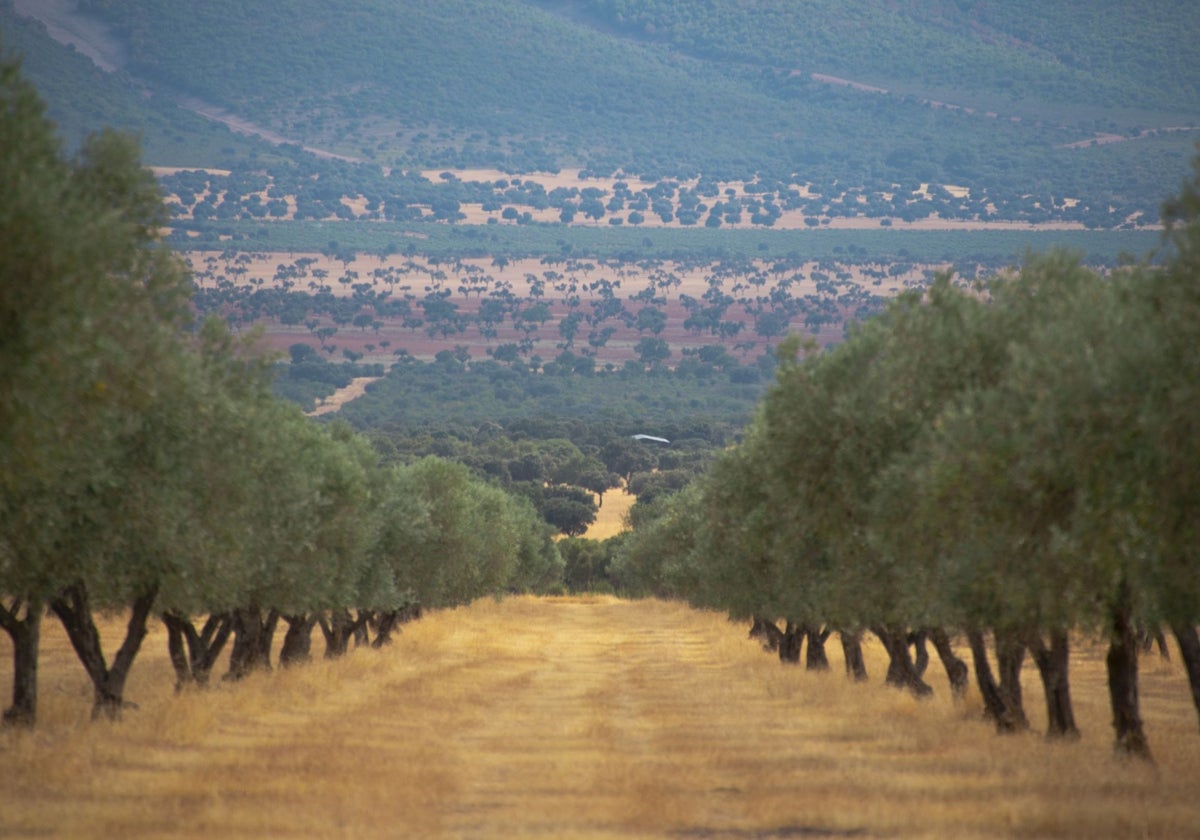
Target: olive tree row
145	467
1017	459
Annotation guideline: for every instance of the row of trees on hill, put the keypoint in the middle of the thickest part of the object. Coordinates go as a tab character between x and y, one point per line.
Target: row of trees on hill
1019	461
331	189
146	468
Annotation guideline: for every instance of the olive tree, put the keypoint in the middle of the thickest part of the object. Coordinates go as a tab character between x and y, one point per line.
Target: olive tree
89	313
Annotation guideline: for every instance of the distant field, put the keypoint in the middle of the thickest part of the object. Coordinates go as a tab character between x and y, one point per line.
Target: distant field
759	299
834	291
581	717
760	294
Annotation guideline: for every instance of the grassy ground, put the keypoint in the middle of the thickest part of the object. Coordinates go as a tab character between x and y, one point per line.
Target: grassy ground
580	717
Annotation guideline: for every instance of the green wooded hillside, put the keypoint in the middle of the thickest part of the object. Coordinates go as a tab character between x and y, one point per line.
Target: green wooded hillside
658	88
1023	53
82	98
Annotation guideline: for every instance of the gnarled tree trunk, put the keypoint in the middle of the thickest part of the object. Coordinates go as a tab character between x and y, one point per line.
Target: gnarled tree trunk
856	667
1010	656
297	641
1149	637
994	706
901	672
108	683
916	640
956	670
1189	650
194	653
360	630
1052	664
339	628
25	634
789	644
385	623
1122	661
767	633
253	633
390	620
815	658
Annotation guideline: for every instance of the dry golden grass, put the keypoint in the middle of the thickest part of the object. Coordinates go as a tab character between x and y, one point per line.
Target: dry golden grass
580	717
260	271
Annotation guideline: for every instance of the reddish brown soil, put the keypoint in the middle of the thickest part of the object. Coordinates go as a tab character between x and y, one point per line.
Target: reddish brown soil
692	282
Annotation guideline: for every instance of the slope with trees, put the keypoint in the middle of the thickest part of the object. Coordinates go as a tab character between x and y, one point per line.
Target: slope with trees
967	95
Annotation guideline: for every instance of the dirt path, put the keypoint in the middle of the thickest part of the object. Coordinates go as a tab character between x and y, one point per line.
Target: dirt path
577	718
589	729
66	25
92	37
241	125
332	403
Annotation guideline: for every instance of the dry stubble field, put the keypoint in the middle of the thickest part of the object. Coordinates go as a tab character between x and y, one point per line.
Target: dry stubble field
579	717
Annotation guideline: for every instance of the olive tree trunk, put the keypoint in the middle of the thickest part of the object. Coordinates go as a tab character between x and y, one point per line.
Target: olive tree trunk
767	633
920	652
994	706
297	641
361	630
956	670
1122	662
901	672
790	642
194	652
25	634
1052	664
815	658
856	666
1010	656
1189	650
339	628
392	619
108	682
253	633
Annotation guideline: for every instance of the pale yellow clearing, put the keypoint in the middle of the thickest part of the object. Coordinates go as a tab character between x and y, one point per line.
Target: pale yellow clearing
334	402
413	274
610	518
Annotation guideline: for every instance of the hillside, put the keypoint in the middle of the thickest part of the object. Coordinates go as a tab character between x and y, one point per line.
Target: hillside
1104	55
82	96
581	717
1006	100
